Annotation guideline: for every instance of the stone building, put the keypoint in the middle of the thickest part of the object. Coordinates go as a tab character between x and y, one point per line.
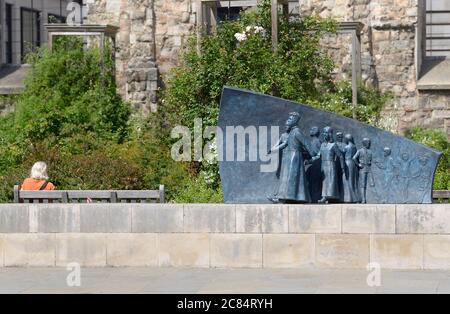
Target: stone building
22	26
405	45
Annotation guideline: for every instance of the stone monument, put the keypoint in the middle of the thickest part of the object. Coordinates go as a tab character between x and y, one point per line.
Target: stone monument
367	165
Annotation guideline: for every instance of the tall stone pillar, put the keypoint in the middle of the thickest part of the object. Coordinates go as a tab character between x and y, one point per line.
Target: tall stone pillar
137	74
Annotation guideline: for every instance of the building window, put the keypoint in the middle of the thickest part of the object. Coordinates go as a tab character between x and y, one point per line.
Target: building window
30	30
438	28
228	13
55	19
433	45
8	33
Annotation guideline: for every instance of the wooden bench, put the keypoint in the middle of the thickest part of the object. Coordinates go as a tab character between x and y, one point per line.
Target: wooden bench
73	196
441	196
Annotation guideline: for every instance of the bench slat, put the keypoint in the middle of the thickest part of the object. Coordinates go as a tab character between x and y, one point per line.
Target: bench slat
137	194
89	194
441	194
41	194
82	196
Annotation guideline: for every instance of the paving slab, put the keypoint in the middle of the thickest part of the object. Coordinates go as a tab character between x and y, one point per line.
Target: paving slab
219	281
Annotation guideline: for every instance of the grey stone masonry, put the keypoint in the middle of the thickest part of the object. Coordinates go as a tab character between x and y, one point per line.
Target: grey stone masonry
220	218
225	236
153	33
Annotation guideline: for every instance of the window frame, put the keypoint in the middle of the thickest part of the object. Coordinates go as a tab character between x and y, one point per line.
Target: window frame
9	9
37	25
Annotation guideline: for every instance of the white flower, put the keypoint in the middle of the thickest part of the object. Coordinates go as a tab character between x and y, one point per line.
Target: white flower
260	30
248	29
240	37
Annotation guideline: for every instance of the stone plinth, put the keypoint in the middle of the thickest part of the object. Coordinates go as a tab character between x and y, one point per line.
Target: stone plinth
225	236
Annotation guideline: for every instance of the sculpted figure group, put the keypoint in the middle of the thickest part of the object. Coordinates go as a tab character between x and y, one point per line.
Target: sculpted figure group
315	171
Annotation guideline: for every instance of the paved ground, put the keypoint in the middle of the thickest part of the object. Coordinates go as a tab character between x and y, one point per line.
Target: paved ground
12	79
181	281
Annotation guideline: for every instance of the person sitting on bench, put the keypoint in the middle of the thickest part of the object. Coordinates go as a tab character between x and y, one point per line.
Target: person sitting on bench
38	180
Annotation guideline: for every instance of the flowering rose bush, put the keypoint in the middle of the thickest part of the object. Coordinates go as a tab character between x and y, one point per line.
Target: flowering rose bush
240	36
240	54
249	31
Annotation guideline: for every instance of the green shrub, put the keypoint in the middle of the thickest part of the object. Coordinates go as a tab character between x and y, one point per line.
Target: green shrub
197	190
71	116
298	71
7	102
67	94
339	100
92	170
438	140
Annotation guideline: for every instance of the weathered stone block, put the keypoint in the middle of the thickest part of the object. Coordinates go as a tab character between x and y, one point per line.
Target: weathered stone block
236	250
183	250
153	74
423	219
113	6
437	252
54	218
342	251
262	219
29	250
85	249
14	218
315	219
153	218
358	218
132	250
105	218
210	218
288	250
397	251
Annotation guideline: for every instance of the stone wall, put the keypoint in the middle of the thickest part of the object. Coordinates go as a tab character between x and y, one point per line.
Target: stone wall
137	74
45	7
149	40
153	31
228	236
175	21
388	58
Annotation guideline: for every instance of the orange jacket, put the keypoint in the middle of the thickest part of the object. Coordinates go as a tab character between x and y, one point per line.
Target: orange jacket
35	185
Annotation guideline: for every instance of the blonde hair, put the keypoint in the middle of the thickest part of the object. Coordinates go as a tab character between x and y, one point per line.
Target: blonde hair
39	171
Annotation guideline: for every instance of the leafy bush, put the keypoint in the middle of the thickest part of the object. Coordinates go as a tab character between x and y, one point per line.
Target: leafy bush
438	140
339	99
7	102
197	190
67	93
297	71
71	116
240	54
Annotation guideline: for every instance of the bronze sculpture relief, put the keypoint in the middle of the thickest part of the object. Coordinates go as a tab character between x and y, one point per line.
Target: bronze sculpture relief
366	165
293	186
351	184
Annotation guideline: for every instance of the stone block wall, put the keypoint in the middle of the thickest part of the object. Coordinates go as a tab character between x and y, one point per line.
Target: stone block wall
150	37
388	58
137	74
174	22
152	33
225	236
